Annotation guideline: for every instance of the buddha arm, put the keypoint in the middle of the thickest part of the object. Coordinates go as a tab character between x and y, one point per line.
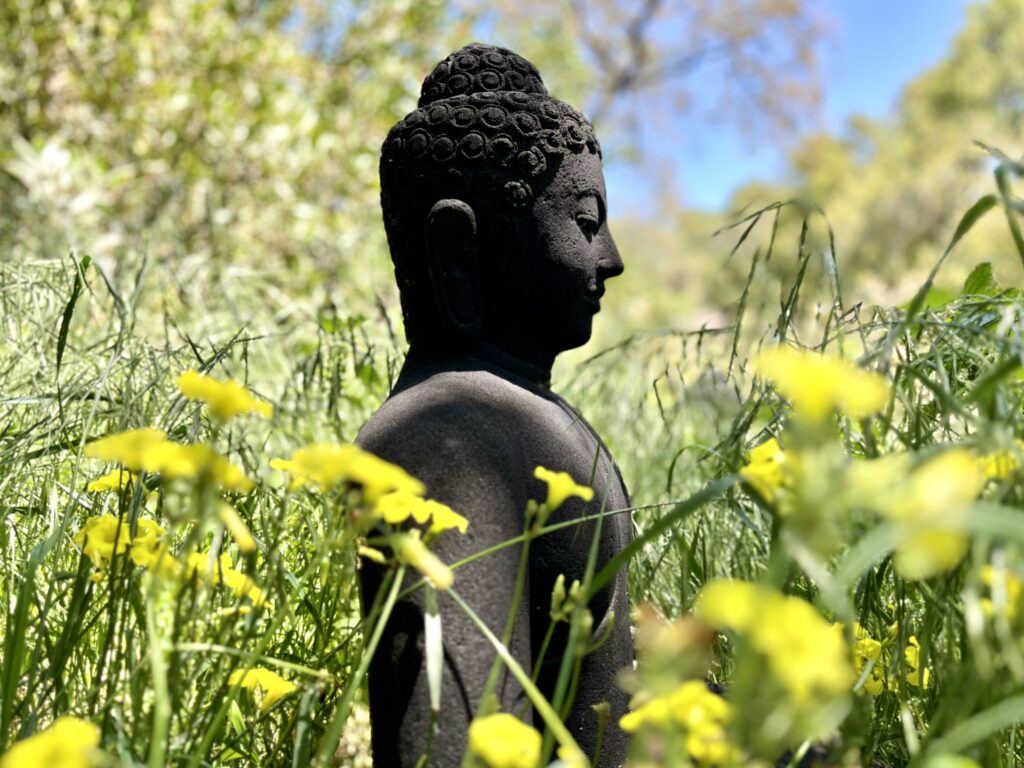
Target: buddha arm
470	463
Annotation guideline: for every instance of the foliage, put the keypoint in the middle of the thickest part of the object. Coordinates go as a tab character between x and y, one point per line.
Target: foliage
838	553
193	617
207	130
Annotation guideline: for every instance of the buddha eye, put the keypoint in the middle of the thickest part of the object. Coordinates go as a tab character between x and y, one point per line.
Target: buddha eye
588	224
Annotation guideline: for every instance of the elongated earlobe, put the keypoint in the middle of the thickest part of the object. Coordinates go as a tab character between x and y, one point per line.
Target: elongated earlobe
454	266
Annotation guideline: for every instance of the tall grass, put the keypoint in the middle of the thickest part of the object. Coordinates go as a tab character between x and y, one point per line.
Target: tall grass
84	353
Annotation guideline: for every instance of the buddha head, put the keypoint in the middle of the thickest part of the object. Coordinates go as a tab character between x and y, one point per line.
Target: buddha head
494	207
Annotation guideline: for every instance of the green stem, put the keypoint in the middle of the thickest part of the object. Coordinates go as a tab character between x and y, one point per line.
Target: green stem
544	709
510	622
161	694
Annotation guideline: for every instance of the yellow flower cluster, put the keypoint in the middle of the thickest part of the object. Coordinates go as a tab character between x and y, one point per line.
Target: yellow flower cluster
802	652
398	506
502	741
867	650
816	385
928	504
68	743
926	501
268	683
226	399
703	715
149	450
325	466
391	494
105	536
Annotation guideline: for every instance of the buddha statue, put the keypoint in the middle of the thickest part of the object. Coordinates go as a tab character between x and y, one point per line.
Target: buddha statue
495	210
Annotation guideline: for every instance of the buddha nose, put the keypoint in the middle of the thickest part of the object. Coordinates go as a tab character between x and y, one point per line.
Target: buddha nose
609	262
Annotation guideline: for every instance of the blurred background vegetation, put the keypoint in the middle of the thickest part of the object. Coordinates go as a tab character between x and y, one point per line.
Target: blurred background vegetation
226	140
217	160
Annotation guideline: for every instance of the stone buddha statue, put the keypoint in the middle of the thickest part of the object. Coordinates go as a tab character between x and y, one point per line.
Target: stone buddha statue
495	210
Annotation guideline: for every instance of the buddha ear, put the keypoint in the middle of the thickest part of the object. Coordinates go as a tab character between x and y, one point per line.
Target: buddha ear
454	265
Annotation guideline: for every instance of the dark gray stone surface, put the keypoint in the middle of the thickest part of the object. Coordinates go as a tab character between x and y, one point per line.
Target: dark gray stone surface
494	204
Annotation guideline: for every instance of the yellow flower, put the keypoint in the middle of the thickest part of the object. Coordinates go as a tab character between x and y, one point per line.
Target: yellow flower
98	536
930	553
933	497
156	559
1001	464
765	472
126	448
150	552
236	527
114	480
273	686
226	399
730	603
325	466
175	461
398	506
702	714
222	572
502	741
939	487
560	487
199	562
803	651
1006	590
444	517
866	649
102	538
68	743
243	586
917	677
409	548
817	384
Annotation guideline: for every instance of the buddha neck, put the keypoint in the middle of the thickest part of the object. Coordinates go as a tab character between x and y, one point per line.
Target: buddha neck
426	359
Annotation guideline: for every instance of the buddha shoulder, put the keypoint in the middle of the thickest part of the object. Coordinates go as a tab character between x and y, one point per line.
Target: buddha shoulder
468	406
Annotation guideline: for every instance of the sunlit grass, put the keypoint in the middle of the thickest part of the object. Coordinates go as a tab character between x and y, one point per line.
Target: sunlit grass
259	659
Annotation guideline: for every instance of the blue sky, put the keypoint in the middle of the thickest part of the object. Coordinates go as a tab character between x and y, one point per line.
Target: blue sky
875	47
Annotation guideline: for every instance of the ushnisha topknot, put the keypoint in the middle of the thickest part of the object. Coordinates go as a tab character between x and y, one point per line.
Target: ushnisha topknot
486	131
479	68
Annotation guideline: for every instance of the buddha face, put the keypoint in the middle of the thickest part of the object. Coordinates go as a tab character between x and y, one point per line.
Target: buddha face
551	275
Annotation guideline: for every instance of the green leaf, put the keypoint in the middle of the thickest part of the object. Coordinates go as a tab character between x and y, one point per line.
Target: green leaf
981	281
681	510
235	718
69	308
991	721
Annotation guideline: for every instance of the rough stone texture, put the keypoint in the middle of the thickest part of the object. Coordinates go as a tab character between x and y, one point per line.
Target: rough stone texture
494	204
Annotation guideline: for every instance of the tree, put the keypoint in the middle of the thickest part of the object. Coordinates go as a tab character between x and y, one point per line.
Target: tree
631	61
895	188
